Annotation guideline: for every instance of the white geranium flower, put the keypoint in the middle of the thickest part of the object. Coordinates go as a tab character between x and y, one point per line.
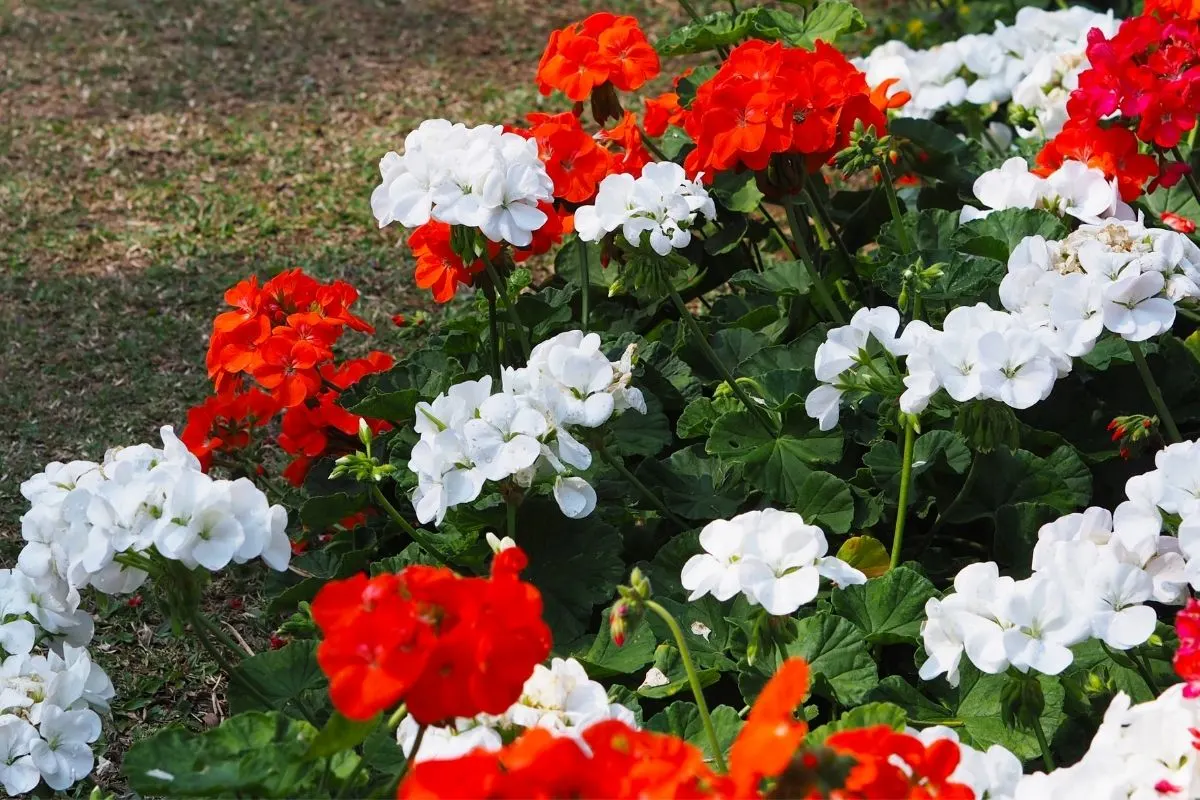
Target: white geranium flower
18	774
575	497
662	204
1134	309
772	557
63	754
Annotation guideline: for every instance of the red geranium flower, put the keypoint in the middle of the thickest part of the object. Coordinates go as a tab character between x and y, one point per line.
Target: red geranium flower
448	646
1113	150
604	48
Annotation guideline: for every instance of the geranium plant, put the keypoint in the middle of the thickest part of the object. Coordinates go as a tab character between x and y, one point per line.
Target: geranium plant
844	447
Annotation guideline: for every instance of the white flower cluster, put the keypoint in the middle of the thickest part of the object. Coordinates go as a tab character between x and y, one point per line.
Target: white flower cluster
992	774
662	202
772	557
1144	750
1114	275
990	68
1073	189
83	514
559	698
979	353
481	177
470	435
48	718
1171	488
1092	575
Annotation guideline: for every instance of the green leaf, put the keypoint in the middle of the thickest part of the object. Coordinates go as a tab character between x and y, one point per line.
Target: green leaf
255	754
695	487
664	570
978	707
340	733
668	660
737	191
865	716
735	345
287	678
827	501
567	263
575	563
705	628
884	459
827	22
698	417
837	655
382	752
319	513
866	554
1020	476
682	719
604	659
635	434
719	29
936	234
1007	228
783	279
889	609
730	235
777	465
920	709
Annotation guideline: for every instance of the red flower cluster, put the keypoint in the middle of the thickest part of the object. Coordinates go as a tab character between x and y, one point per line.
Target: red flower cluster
448	646
769	98
616	761
1150	72
273	353
1165	9
893	764
623	763
604	48
1187	657
1113	150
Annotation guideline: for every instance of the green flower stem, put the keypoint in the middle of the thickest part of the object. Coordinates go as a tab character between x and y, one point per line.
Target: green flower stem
1164	413
1142	662
412	755
910	437
825	226
642	489
1187	176
801	251
1185	311
756	410
510	309
585	278
418	536
889	189
693	679
1047	759
494	335
397	717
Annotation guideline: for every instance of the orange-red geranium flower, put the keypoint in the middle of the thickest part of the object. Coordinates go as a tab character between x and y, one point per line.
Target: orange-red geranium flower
448	646
662	112
280	337
769	98
574	160
439	268
604	48
1113	150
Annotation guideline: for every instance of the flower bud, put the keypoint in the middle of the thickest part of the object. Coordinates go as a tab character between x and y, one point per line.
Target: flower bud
1022	701
623	620
364	432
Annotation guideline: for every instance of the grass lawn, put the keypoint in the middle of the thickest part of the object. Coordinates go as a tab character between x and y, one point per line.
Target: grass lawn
153	153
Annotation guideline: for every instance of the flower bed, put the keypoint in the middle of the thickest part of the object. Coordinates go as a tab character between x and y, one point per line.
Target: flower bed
843	452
